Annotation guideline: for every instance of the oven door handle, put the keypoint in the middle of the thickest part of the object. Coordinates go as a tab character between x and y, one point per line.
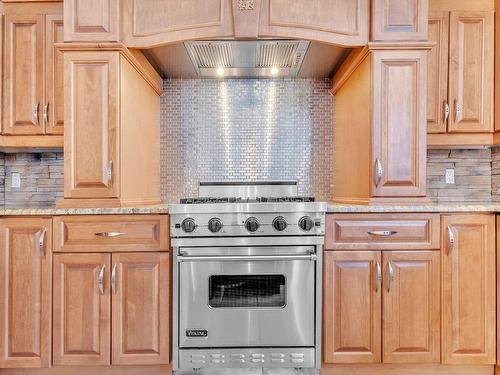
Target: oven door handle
238	258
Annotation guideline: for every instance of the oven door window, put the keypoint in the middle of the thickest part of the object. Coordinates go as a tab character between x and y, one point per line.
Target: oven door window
247	291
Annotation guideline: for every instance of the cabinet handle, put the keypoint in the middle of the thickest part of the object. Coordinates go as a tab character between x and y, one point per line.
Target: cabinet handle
458	111
100	280
446	111
41	241
382	233
390	276
378	277
109	172
35	114
109	234
451	239
113	279
379	171
46	113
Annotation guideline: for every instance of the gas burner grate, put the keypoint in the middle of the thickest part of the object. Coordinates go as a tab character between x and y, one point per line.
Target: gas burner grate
203	200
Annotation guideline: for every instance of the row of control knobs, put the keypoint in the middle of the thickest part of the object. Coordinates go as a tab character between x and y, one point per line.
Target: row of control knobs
251	224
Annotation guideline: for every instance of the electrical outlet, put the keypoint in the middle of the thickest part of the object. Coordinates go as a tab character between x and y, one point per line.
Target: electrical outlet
450	176
15	180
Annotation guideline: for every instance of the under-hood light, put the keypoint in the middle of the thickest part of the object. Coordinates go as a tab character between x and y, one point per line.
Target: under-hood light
220	71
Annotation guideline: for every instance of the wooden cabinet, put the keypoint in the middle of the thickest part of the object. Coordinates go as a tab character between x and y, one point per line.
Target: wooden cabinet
111	309
25	292
468	291
352	307
381	307
32	85
380	140
111	107
82	309
91	143
141	309
91	20
400	20
411	307
461	83
343	22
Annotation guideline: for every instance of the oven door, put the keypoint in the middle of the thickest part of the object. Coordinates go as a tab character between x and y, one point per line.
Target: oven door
247	297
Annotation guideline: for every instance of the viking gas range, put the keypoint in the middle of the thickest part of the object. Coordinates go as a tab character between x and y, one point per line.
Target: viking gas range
247	277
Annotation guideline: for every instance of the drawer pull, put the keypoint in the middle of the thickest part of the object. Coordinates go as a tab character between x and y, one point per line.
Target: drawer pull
382	233
109	234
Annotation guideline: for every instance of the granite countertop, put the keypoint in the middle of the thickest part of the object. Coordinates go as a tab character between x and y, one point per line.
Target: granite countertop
442	207
332	208
158	209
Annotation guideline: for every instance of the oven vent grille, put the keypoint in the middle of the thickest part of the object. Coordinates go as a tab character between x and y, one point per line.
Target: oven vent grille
247	59
279	55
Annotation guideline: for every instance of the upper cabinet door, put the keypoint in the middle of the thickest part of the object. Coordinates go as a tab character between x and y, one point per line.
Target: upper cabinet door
468	292
25	293
399	20
91	20
140	285
331	21
23	75
471	71
438	109
82	309
156	22
352	307
91	100
53	107
399	119
411	307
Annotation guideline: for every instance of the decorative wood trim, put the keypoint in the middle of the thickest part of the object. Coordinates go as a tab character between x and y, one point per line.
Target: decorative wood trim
31	141
401	46
140	64
100	370
463	139
353	61
404	369
103	203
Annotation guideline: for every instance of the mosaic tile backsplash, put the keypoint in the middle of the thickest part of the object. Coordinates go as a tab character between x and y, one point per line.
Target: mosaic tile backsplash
246	130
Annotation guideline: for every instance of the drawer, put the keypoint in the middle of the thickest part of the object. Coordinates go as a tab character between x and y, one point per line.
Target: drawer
383	232
108	233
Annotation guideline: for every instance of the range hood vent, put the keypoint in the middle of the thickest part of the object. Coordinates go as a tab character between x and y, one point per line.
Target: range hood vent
247	59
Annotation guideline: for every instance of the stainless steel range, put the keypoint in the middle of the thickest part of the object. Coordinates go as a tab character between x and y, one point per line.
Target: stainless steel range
247	277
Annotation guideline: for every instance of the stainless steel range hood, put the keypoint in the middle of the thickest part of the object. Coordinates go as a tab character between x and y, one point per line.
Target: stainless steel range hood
247	59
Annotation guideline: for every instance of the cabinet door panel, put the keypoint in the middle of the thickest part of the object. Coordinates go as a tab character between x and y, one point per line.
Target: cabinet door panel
471	71
141	316
437	74
396	20
399	117
25	292
334	21
82	327
352	307
91	115
53	111
23	75
91	21
468	295
411	308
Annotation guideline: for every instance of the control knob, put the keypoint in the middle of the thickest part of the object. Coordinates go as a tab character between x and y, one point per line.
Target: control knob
188	225
306	223
214	225
280	223
252	224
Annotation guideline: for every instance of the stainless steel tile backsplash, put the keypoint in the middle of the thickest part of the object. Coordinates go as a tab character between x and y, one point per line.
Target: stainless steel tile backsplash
246	130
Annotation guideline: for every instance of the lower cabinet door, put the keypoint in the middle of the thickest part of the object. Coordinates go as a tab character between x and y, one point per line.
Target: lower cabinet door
411	307
140	286
82	309
352	307
25	292
468	289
